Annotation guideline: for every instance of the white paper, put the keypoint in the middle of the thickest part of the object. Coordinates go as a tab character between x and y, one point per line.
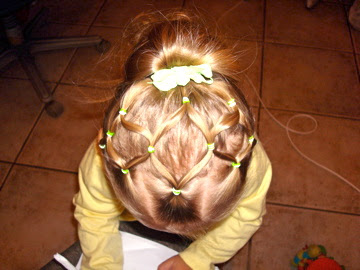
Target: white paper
140	253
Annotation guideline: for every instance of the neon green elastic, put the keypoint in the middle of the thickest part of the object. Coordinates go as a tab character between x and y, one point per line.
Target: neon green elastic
251	139
185	100
231	102
151	149
236	165
211	146
110	133
125	171
123	111
176	192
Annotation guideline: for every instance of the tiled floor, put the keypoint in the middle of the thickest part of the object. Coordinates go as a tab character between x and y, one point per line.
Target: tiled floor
307	61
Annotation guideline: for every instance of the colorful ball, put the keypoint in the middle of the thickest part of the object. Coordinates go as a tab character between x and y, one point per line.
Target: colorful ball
314	251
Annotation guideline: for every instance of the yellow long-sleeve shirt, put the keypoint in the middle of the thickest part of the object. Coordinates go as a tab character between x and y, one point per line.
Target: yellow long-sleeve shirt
98	212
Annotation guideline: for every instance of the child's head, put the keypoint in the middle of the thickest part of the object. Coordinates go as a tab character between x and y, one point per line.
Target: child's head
182	184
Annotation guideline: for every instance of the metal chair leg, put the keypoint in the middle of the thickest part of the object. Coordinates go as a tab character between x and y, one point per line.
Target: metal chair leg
53	108
63	43
7	57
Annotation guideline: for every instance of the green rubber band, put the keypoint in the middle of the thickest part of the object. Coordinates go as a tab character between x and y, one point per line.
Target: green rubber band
231	102
102	146
151	149
185	100
251	139
123	111
176	192
236	165
110	133
211	146
126	171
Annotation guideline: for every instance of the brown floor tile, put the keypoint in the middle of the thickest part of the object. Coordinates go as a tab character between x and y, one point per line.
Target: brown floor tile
4	169
60	143
51	64
241	19
298	182
288	21
250	54
312	80
355	34
119	13
19	108
68	11
36	216
89	67
286	231
239	261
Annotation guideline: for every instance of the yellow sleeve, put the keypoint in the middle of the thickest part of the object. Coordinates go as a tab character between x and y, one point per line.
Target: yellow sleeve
231	234
97	211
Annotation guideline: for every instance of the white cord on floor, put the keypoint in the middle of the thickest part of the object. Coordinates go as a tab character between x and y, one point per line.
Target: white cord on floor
288	130
64	262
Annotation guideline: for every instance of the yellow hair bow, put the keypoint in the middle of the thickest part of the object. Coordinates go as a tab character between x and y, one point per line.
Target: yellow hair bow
167	79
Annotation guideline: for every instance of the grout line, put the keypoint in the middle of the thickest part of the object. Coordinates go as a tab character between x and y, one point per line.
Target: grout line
107	26
76	49
23	145
68	23
312	113
32	166
6	162
288	44
44	168
261	69
306	46
6	176
84	24
248	263
312	209
14	78
352	42
96	16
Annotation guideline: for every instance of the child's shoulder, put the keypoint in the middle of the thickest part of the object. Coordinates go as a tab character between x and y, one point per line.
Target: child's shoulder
259	171
92	156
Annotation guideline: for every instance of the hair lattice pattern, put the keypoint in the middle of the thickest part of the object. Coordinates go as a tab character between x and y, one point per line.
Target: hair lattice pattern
229	119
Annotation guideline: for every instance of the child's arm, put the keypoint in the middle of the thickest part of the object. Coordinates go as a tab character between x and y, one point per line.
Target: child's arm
222	242
97	212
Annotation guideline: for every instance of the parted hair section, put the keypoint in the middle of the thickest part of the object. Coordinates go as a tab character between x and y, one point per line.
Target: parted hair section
177	159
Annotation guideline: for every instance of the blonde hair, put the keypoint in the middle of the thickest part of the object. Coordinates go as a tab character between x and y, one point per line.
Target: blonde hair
210	186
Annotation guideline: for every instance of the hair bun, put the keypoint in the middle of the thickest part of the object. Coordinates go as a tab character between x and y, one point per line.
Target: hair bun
178	40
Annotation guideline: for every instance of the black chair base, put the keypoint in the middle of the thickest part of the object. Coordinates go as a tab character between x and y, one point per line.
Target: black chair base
23	50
